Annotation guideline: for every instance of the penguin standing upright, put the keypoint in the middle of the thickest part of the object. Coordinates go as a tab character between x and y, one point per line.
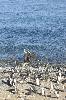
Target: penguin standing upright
27	56
43	91
37	81
51	86
15	85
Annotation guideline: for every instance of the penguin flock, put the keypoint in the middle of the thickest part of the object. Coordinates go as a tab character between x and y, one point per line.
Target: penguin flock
38	74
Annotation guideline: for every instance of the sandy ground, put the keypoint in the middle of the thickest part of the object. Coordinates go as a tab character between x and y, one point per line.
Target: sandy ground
7	92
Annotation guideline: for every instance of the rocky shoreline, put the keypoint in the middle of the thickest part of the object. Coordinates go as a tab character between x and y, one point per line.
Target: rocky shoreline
33	81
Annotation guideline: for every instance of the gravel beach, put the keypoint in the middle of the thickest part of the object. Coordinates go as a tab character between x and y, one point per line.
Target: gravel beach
27	88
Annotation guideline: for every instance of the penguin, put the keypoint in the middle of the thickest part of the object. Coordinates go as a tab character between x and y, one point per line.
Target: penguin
37	81
57	94
43	91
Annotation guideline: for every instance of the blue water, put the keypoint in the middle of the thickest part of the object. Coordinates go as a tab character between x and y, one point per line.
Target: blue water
37	25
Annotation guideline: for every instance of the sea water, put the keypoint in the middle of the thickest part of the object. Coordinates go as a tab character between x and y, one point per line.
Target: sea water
37	25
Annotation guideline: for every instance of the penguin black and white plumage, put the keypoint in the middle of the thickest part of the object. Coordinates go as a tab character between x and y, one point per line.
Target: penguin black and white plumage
15	85
43	91
51	88
11	81
57	94
27	56
37	81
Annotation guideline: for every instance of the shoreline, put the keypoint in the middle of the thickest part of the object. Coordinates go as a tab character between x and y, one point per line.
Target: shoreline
26	86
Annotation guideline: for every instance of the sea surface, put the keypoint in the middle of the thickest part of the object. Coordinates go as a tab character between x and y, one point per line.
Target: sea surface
37	25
